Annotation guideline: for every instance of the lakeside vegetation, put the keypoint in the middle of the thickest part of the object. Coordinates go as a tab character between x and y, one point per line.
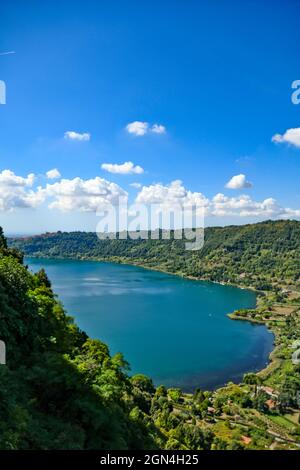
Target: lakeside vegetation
263	256
61	389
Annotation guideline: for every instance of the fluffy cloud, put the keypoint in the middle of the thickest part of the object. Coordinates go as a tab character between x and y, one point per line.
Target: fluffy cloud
9	179
125	168
238	182
220	205
53	174
244	206
158	129
84	195
72	135
97	193
15	191
136	185
137	128
291	136
170	195
140	128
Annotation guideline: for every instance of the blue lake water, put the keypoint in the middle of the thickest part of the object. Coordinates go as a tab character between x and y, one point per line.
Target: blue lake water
174	330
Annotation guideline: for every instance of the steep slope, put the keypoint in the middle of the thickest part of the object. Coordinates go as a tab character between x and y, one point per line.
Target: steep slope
59	389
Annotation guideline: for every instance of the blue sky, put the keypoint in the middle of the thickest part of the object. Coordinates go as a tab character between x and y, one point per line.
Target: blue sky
215	75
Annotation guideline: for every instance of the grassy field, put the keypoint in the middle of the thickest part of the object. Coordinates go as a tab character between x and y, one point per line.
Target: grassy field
283	421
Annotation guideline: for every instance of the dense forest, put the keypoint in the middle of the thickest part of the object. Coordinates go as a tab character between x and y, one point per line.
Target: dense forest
261	255
60	389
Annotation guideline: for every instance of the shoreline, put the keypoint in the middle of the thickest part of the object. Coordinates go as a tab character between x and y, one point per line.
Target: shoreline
149	268
271	360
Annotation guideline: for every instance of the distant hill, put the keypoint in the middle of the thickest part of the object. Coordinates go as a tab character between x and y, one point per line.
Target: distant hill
261	255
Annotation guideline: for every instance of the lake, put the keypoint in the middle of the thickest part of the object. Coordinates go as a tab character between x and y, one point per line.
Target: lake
174	330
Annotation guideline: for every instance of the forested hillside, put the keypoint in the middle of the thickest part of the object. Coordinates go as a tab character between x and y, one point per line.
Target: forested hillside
260	255
59	389
62	390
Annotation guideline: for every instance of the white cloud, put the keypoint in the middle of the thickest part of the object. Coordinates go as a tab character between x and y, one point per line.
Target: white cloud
136	185
244	206
140	128
53	174
220	205
72	135
158	129
15	191
291	136
97	193
170	195
125	168
84	195
238	182
8	178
